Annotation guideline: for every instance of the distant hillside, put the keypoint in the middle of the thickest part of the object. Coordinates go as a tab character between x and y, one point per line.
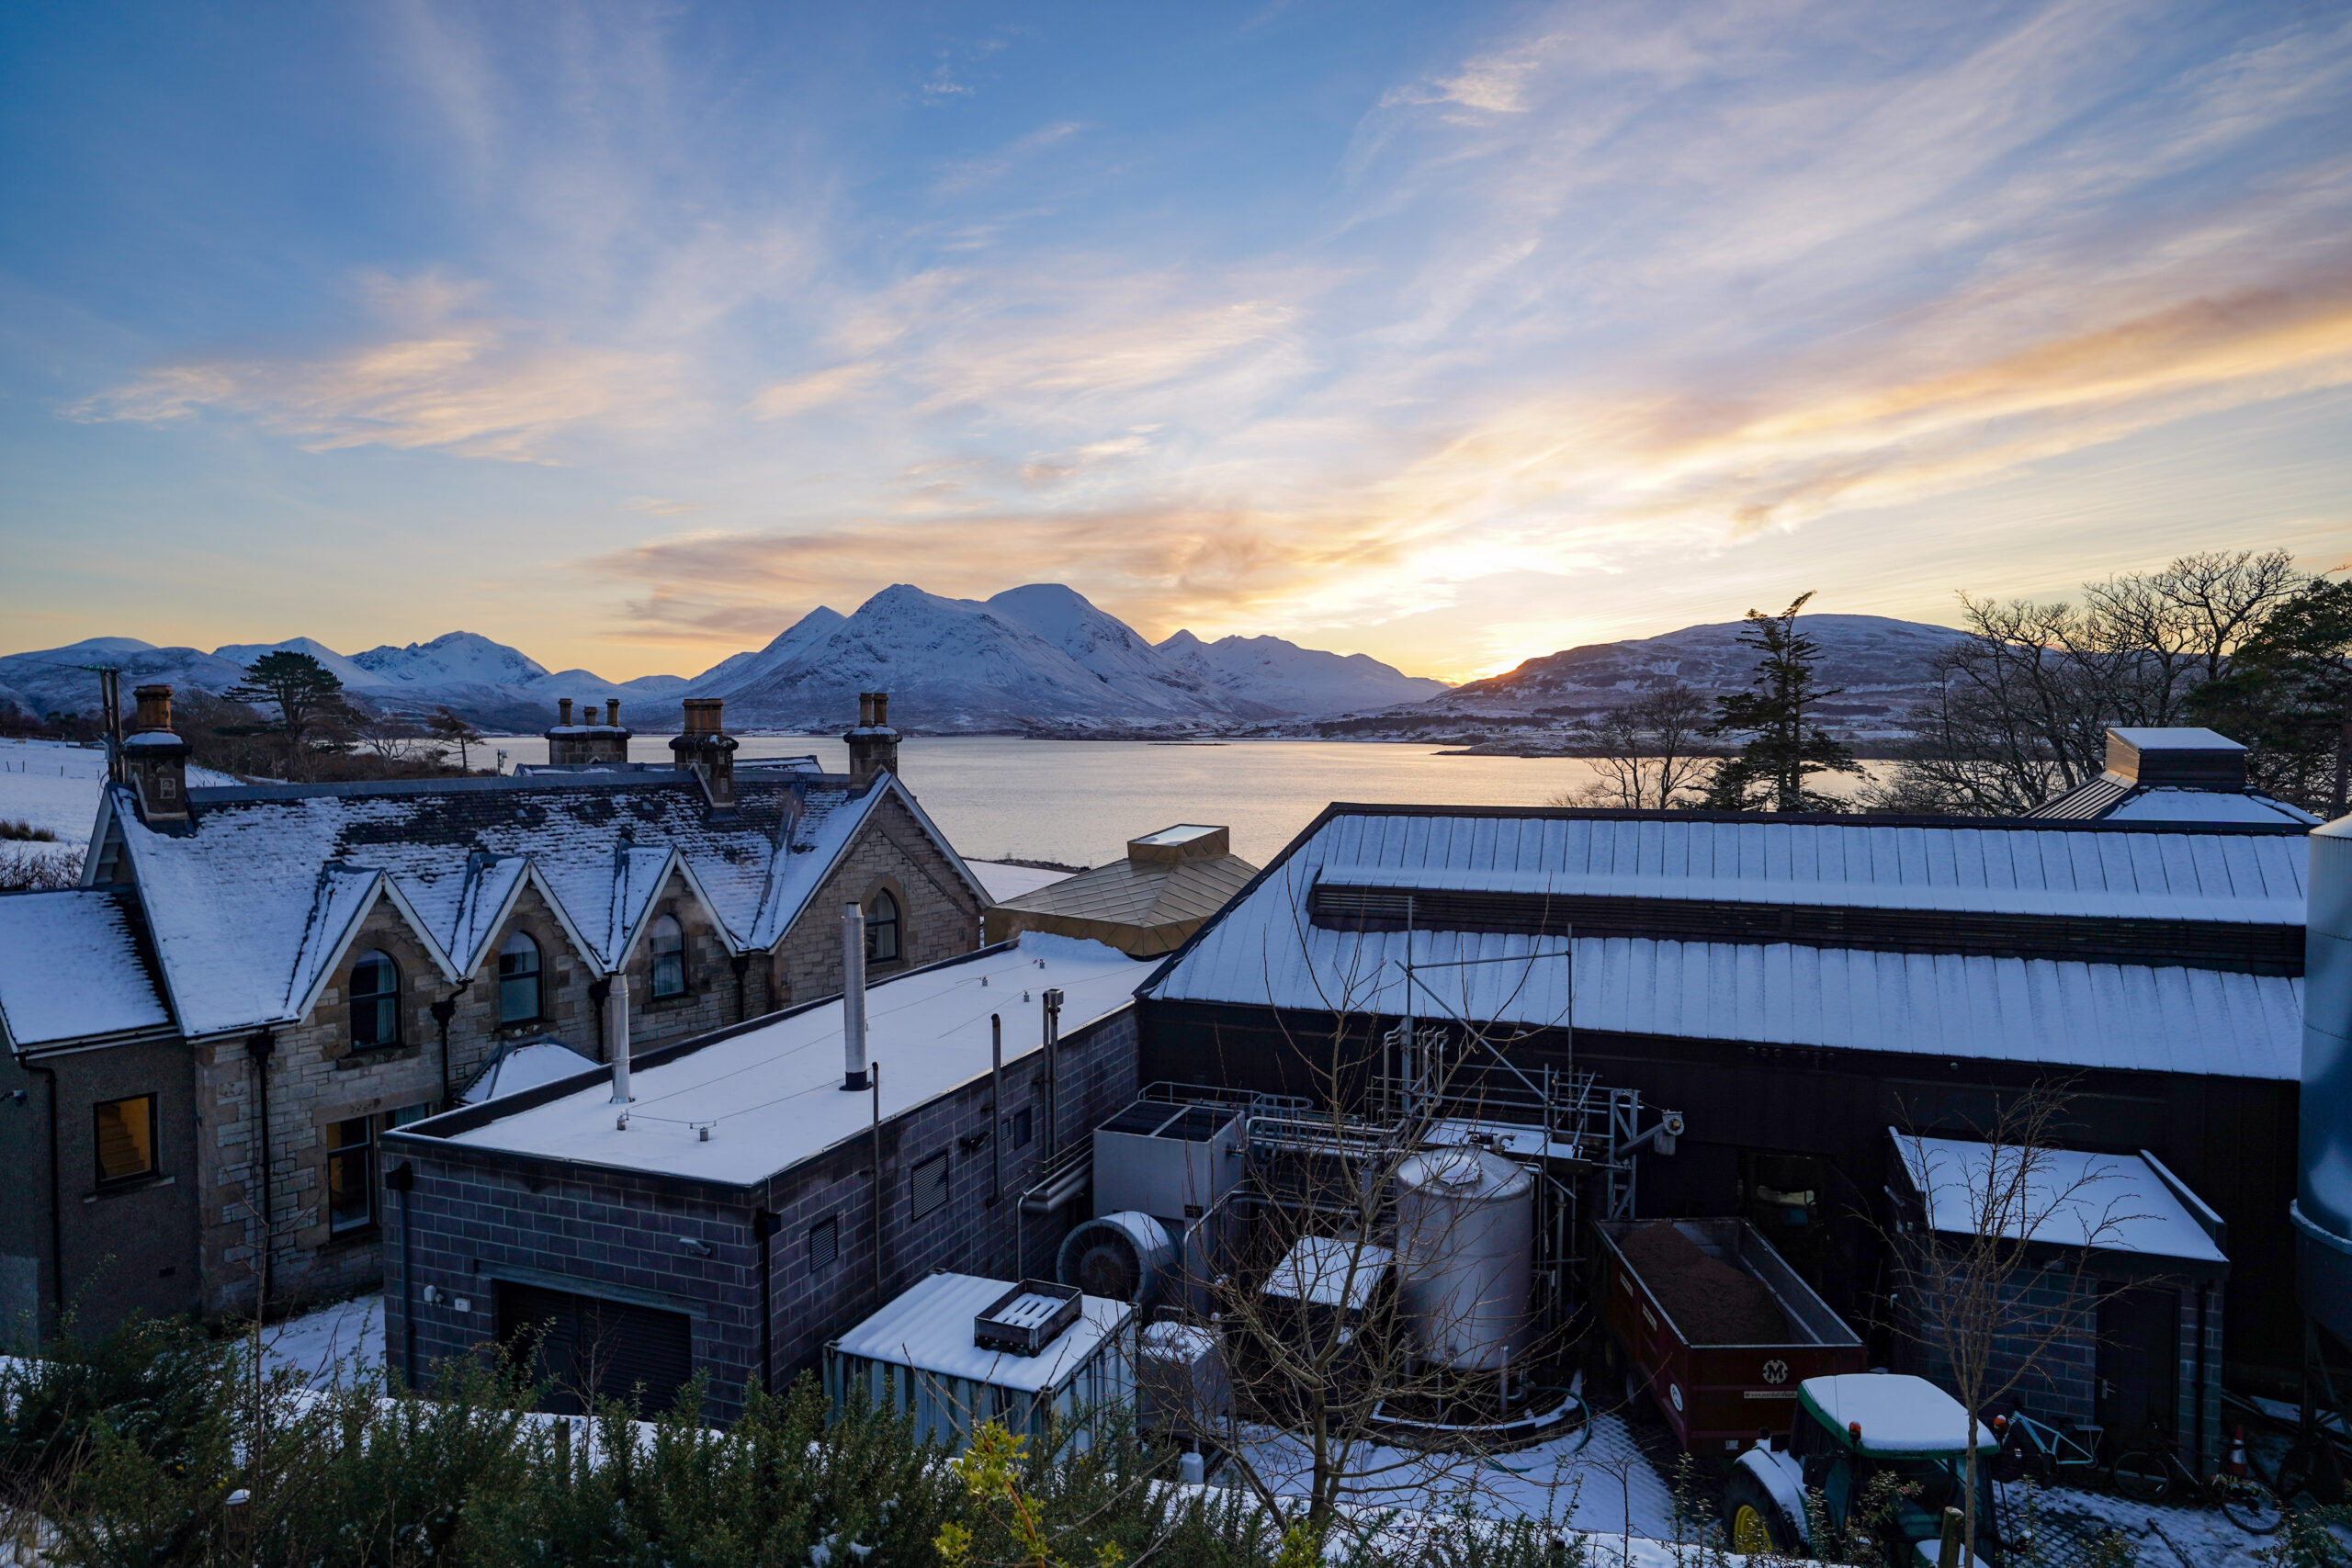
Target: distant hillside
1885	666
1298	680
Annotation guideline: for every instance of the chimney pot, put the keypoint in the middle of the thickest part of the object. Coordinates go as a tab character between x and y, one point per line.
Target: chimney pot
563	710
882	710
154	709
612	712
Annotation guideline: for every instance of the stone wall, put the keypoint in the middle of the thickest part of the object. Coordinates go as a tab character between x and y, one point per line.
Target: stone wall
939	916
478	1217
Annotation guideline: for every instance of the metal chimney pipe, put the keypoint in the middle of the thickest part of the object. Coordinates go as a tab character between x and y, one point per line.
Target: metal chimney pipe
852	995
2322	1212
996	1093
1053	1001
617	1024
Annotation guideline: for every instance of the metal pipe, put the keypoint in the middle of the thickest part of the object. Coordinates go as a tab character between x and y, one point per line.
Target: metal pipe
765	1224
741	963
996	1109
261	1046
442	1011
854	997
617	1014
400	1178
874	1073
1053	1024
56	1225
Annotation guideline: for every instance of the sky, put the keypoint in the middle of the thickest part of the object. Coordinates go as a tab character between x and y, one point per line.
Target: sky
1453	334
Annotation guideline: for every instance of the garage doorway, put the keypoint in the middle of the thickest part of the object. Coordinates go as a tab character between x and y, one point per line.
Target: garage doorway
583	1349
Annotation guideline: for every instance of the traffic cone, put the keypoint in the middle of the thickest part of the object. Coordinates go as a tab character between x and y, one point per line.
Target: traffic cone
2236	1464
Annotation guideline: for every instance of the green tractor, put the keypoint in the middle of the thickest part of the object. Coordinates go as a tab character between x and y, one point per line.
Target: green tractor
1851	1429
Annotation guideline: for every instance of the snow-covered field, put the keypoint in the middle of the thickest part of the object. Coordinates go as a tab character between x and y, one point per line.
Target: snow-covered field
53	784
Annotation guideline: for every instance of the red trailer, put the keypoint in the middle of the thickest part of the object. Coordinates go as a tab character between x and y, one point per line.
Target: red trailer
1725	1373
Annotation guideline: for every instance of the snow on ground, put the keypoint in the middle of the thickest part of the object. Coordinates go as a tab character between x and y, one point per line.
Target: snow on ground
1004	882
2071	1521
327	1340
53	785
1602	1484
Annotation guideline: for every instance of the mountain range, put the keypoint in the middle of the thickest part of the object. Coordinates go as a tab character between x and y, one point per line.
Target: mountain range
1037	660
1029	659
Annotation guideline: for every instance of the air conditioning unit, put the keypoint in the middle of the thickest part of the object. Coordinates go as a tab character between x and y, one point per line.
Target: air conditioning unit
1168	1160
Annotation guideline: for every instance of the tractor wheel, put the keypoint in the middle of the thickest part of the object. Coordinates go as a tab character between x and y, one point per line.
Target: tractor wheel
1756	1523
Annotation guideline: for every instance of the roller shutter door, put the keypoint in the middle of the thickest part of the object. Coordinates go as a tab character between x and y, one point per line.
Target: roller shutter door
584	1348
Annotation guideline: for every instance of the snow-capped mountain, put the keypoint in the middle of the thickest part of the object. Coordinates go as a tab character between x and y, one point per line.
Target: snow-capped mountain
54	680
741	669
1296	680
454	658
1030	658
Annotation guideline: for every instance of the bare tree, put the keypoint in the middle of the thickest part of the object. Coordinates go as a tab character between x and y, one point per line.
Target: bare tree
393	737
451	729
1362	1374
1650	752
2027	698
1987	1318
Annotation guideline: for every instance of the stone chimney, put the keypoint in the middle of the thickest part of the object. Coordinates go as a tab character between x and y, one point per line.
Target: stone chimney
612	712
707	753
873	745
587	743
156	759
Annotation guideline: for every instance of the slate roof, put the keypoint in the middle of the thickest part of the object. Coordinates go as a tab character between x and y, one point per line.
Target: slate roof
71	969
252	909
1266	950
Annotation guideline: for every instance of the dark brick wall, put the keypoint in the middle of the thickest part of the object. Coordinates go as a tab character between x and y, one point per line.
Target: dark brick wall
478	1217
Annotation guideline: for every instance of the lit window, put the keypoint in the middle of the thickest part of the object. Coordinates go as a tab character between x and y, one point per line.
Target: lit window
126	1139
881	929
669	958
375	1000
518	980
351	1170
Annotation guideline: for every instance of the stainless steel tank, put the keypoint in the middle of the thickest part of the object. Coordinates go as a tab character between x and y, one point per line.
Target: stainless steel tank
2322	1210
1465	1252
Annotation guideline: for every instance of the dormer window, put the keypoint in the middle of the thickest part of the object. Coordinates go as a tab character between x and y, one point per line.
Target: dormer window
518	980
669	942
881	929
375	1000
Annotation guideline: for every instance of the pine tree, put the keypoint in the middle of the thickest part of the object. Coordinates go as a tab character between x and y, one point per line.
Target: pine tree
1784	747
307	696
2287	695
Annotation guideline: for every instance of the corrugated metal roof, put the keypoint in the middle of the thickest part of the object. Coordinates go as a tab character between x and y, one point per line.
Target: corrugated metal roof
1264	950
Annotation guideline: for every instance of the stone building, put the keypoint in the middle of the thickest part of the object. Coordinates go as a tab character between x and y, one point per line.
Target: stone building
270	977
747	1204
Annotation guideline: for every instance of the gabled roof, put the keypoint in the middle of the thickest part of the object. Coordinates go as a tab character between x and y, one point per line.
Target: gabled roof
1270	947
254	905
71	969
2111	797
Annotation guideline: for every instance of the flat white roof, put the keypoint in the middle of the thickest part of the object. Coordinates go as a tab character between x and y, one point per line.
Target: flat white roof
1183	833
771	1097
930	1329
2181	739
1330	1271
2111	1202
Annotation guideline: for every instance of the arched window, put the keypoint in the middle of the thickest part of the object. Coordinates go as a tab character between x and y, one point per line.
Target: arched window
518	980
375	999
881	929
669	958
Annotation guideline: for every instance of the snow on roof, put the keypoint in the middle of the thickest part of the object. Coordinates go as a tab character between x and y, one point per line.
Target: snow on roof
1330	1271
2164	803
252	908
1004	882
771	1096
2112	1202
1265	951
2184	738
929	1328
69	968
1898	1414
526	1064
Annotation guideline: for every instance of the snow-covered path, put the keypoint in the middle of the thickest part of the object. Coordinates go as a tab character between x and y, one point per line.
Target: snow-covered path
327	1341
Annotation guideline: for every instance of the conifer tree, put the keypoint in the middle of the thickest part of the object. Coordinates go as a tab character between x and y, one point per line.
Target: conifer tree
307	696
1784	747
